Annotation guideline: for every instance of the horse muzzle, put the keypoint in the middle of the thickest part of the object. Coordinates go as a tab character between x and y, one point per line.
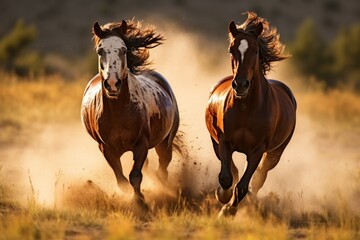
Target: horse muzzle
241	88
113	91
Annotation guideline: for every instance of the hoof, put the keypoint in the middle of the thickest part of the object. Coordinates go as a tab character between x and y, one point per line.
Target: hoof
227	210
141	204
222	195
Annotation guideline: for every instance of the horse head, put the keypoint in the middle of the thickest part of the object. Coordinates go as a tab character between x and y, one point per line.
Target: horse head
112	60
244	52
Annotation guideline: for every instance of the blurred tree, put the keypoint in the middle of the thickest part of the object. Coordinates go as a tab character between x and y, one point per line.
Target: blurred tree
334	63
13	54
309	51
346	51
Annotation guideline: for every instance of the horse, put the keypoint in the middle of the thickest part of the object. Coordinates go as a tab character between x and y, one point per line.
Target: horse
128	107
248	113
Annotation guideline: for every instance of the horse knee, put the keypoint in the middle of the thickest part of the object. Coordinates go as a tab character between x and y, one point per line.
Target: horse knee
225	180
135	177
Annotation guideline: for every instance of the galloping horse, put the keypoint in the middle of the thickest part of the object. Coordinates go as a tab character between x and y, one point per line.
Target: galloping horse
248	113
127	107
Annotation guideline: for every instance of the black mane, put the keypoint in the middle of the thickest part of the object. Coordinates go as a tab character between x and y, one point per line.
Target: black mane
271	49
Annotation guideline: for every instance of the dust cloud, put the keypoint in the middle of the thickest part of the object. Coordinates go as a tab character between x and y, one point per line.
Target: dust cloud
61	156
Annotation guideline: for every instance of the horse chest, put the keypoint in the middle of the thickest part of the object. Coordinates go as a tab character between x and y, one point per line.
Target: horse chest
120	134
244	131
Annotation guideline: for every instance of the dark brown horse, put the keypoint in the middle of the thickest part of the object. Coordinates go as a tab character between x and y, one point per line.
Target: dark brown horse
248	113
127	107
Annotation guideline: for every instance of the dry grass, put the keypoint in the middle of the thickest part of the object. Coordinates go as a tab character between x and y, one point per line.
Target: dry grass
27	103
264	220
89	212
340	106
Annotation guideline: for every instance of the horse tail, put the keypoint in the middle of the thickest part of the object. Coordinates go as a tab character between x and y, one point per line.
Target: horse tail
179	145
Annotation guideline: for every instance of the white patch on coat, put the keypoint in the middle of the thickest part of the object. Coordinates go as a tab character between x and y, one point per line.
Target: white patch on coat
242	48
147	95
111	59
145	91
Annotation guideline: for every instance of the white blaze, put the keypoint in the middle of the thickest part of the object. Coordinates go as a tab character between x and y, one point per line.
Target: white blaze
242	48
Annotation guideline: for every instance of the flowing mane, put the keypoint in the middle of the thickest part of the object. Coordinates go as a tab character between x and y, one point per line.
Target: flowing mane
270	47
137	39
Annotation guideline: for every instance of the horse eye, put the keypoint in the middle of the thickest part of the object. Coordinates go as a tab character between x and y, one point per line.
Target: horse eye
123	51
100	51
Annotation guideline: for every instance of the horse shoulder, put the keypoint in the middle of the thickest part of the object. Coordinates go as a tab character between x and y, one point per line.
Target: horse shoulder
214	114
91	107
220	84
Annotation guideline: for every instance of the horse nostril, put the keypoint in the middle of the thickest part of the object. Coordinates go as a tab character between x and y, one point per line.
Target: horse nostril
118	84
247	84
107	85
233	84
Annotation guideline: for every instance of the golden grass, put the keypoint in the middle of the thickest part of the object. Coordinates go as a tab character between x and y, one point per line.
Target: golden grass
26	104
88	212
341	106
181	222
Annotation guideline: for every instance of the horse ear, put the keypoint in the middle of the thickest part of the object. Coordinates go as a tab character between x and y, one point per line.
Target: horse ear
258	29
123	28
97	30
232	29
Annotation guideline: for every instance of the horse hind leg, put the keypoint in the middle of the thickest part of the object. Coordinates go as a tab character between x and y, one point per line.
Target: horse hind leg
269	161
235	172
164	151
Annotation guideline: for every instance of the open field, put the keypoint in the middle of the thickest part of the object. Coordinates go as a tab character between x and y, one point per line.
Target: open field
55	184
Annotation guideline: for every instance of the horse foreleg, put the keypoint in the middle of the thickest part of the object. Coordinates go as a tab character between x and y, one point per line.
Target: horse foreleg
242	187
140	152
113	160
224	192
